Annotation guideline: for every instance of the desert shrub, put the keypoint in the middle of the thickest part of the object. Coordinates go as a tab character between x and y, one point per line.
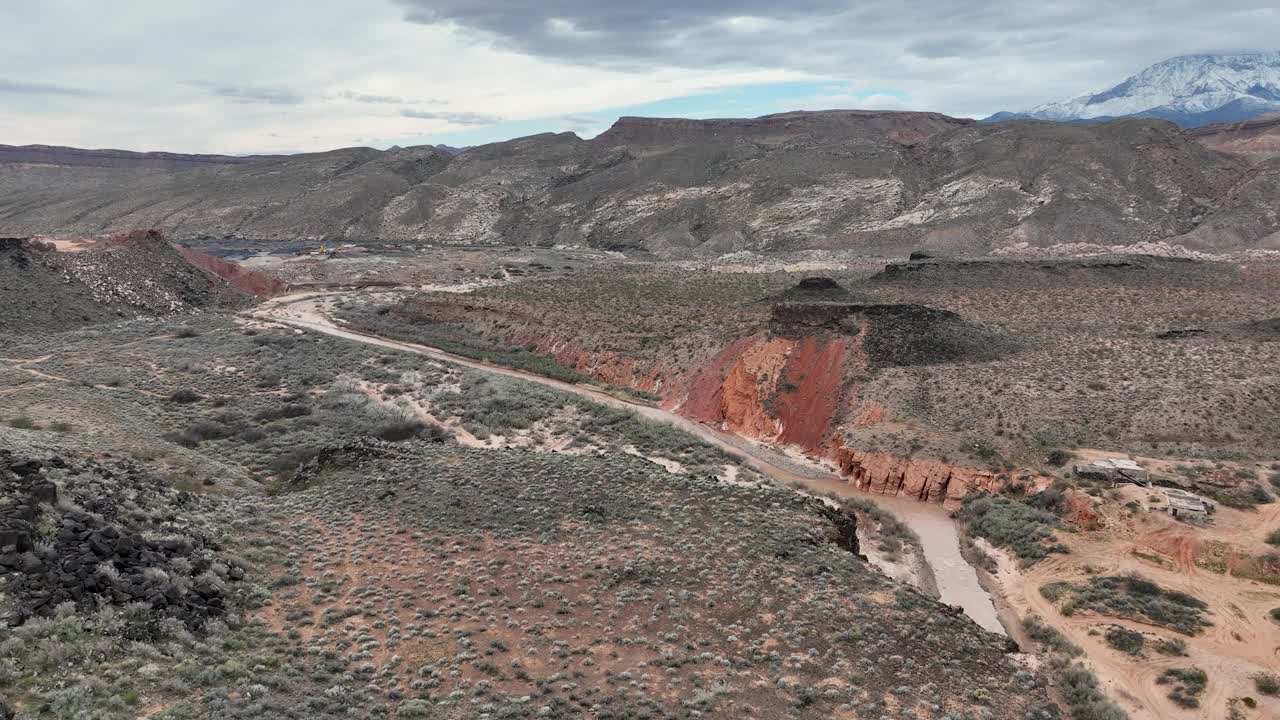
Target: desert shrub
1267	683
1054	591
1048	635
415	709
1058	458
399	430
1125	640
211	430
1187	685
281	412
1170	646
181	437
22	422
287	462
186	395
1135	597
1275	614
252	434
187	332
1084	700
1273	538
1012	524
1052	500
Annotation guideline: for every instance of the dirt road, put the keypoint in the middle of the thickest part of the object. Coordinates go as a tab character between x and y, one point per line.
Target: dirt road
956	580
1241	642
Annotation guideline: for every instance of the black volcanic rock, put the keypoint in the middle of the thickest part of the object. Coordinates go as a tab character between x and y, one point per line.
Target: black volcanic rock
116	540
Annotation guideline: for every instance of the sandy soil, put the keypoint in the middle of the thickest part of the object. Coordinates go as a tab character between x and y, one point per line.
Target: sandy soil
1243	640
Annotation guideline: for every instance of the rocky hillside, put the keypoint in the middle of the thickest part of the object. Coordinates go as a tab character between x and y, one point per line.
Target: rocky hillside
1257	138
46	287
928	379
882	183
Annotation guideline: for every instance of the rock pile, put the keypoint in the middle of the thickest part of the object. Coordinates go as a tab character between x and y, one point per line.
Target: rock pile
97	534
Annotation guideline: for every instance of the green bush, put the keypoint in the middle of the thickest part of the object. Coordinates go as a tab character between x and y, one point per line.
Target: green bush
1012	524
281	412
1084	700
415	710
1267	683
1273	538
22	422
1188	684
185	396
1133	597
1039	631
1058	458
1125	640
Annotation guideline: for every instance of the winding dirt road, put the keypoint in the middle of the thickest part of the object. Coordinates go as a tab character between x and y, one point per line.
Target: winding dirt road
956	580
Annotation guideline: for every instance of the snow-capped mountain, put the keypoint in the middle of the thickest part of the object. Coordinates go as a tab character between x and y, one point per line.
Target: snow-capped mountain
1190	90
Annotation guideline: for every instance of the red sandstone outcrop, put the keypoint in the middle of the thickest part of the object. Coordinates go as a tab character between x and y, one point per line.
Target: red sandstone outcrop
920	478
771	388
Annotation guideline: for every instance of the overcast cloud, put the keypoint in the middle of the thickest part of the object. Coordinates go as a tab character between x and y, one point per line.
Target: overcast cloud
249	76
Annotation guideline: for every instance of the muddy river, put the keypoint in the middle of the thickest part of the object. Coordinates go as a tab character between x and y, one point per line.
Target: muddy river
956	579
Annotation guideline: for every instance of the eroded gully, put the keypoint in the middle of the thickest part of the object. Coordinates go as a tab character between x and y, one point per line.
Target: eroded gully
957	581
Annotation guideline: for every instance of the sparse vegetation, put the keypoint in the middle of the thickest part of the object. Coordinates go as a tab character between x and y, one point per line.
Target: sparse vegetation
1267	683
1084	700
1176	647
1125	640
1041	632
1186	685
1134	597
1013	524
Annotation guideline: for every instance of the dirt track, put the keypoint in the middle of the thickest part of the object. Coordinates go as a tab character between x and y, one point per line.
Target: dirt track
1241	642
956	579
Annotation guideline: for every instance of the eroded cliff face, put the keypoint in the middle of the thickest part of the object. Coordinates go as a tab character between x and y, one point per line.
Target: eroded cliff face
794	380
774	389
919	478
249	282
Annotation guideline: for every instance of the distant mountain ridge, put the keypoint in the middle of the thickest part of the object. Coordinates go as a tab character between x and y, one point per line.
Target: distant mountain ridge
1188	90
64	156
881	183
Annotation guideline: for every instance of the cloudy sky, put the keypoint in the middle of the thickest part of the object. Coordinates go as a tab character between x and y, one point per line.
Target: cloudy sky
242	76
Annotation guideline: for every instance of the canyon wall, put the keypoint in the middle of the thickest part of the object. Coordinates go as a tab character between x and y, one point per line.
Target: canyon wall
791	382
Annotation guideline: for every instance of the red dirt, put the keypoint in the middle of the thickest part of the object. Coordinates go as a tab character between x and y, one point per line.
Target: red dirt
816	370
1081	513
246	281
748	390
704	388
919	478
